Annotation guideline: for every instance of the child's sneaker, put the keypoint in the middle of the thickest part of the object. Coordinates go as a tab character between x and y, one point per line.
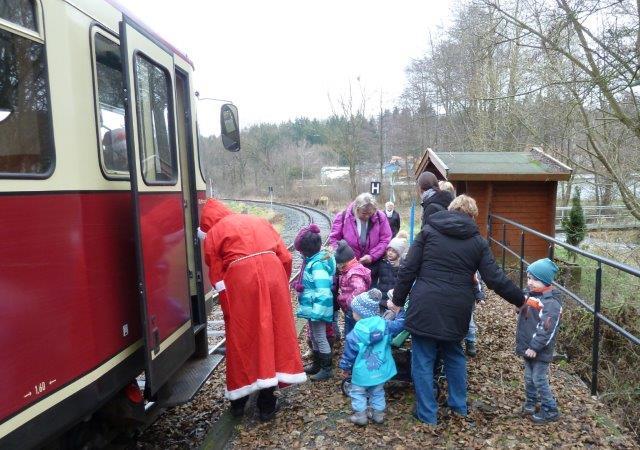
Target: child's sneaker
359	418
545	416
376	416
528	410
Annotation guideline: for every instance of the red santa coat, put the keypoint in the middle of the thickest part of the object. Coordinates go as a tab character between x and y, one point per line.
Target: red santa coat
247	254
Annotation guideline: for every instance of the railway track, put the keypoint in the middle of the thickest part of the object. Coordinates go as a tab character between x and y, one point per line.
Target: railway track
205	421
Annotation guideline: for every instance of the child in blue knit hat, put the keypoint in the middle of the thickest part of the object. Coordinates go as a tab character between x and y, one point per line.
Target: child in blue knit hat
367	357
536	335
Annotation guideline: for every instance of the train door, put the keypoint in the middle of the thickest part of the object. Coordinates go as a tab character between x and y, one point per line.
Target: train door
186	151
158	203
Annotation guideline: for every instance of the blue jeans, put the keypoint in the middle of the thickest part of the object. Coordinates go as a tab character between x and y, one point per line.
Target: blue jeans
423	358
349	323
360	394
536	385
473	329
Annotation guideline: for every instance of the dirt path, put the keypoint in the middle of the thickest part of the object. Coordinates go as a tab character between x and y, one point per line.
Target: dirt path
315	415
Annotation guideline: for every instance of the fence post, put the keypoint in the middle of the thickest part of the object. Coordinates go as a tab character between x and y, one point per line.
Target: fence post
412	218
489	227
551	250
504	243
521	259
595	357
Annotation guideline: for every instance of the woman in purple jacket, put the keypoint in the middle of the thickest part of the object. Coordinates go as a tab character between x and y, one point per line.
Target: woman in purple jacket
364	227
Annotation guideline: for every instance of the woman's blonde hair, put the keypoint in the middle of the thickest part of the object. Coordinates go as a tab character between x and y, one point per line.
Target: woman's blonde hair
446	186
465	204
364	200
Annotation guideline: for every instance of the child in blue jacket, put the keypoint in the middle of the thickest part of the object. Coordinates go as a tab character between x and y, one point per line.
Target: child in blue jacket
315	298
367	357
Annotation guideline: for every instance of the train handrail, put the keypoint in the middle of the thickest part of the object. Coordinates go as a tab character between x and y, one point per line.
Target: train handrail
598	317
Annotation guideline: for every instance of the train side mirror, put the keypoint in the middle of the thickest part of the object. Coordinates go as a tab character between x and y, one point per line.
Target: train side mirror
229	127
4	113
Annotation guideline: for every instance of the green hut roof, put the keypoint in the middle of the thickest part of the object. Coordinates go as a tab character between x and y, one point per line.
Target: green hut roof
532	165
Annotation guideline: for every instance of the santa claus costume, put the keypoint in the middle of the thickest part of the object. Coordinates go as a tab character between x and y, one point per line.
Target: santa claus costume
250	266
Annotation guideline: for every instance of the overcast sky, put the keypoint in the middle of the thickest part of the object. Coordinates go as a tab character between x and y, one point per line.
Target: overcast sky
280	59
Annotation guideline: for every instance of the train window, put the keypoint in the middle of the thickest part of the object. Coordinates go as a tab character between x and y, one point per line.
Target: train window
19	12
155	116
26	134
110	100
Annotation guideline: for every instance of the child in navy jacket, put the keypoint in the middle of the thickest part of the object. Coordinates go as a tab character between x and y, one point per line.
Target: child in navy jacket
536	335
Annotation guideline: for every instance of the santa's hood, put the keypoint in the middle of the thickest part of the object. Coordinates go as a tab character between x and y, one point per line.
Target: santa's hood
213	211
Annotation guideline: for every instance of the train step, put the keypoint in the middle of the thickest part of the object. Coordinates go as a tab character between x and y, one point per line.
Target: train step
186	382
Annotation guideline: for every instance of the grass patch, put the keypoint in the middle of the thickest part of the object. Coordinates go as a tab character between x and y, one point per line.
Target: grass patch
277	220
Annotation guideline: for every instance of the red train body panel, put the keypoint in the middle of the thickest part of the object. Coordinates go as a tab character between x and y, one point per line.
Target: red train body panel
69	286
165	264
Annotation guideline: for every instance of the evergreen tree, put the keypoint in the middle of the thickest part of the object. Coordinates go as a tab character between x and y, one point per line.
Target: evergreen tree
575	225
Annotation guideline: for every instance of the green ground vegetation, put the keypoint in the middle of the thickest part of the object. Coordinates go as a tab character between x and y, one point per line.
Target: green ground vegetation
618	377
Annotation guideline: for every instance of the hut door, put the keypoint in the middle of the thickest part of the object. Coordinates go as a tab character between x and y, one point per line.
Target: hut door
163	278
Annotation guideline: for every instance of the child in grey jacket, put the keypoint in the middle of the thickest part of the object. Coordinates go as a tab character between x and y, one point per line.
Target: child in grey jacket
536	335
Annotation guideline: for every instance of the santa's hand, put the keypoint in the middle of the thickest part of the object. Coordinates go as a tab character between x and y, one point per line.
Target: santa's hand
201	234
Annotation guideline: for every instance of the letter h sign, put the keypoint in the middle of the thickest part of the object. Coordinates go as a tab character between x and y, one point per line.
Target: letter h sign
375	188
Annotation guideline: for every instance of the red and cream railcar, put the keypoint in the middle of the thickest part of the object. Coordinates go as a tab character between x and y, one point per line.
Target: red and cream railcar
100	266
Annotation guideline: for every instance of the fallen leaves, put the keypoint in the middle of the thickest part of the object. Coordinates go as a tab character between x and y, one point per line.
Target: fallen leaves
318	413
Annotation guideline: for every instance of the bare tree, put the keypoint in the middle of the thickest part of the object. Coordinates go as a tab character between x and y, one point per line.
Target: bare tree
347	125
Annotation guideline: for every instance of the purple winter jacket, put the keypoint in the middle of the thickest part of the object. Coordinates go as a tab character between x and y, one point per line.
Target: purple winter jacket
378	235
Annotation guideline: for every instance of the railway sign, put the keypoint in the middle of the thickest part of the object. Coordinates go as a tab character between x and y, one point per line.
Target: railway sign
375	188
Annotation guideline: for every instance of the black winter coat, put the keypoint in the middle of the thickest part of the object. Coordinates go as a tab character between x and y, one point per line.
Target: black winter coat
394	223
442	261
437	202
385	279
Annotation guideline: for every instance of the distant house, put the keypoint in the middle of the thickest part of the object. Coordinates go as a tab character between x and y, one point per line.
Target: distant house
520	186
333	173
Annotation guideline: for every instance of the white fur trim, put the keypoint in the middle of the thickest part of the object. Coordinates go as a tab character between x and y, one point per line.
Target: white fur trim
248	389
291	378
261	384
220	286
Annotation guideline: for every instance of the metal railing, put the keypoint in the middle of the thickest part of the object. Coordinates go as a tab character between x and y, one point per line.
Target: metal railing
598	317
601	217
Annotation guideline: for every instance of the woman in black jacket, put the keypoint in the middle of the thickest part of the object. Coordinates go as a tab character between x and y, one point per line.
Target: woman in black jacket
393	217
432	198
442	261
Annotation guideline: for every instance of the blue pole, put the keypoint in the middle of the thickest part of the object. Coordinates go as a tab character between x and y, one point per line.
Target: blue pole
412	216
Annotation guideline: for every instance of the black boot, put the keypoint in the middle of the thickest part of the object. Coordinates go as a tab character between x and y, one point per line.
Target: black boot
314	366
237	406
325	371
470	348
267	404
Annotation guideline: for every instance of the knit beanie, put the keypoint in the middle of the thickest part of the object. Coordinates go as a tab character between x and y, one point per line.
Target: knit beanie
344	253
308	240
367	304
543	270
399	245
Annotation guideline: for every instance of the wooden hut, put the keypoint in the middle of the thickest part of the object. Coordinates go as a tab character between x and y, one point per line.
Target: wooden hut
520	186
